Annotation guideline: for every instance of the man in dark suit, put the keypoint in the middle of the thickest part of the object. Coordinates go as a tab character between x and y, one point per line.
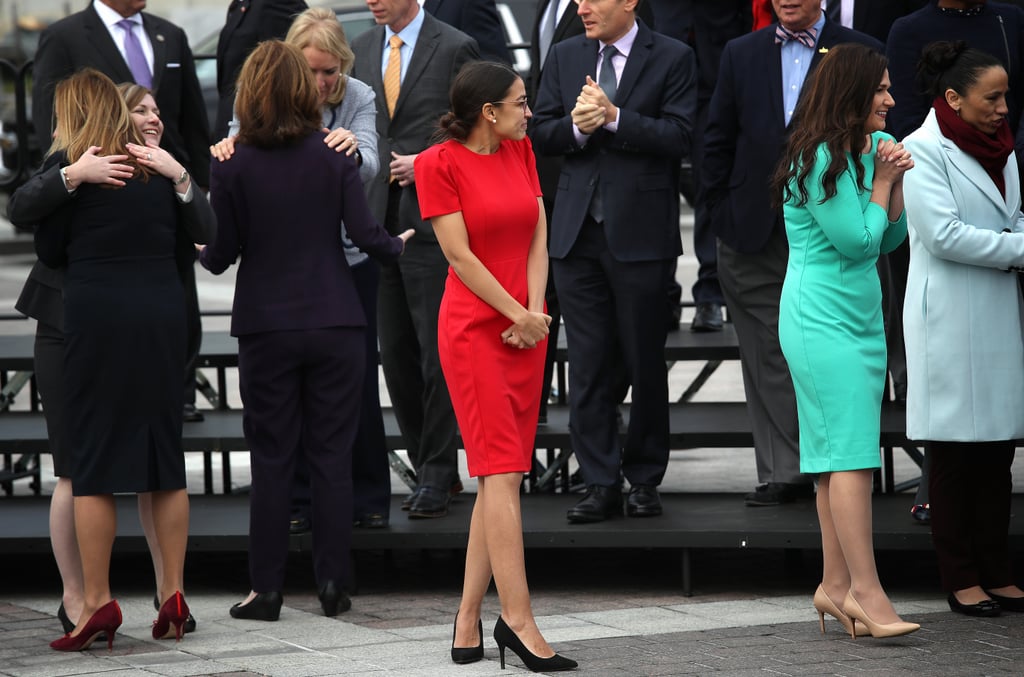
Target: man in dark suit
759	81
479	20
425	58
872	17
248	23
615	235
97	37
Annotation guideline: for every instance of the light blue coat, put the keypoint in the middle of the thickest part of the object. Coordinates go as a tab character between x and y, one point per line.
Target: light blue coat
962	315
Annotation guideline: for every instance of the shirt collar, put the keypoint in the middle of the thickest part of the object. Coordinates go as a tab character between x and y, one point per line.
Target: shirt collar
410	33
110	18
625	43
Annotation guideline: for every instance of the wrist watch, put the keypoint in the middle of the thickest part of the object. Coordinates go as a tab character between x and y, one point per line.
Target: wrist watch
182	179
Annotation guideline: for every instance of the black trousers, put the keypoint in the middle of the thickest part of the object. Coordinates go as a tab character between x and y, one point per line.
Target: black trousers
970	486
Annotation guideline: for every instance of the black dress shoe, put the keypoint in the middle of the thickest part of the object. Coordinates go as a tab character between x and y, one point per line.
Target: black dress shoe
1007	603
777	493
707	318
372	520
643	501
191	415
599	504
265	606
986	608
299	525
190	622
430	502
408	500
333	599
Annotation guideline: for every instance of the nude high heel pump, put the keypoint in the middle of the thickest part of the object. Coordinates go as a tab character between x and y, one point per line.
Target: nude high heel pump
854	610
823	604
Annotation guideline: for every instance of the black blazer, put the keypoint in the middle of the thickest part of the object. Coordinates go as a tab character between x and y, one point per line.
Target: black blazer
82	40
637	168
875	17
479	20
746	131
248	23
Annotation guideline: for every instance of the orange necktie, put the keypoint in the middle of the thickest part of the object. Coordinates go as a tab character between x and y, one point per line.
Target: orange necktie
393	74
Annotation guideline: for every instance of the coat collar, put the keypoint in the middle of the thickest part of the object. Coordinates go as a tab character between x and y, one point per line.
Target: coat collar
972	170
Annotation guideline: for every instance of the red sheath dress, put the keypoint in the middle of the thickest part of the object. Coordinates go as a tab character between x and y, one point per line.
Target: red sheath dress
495	388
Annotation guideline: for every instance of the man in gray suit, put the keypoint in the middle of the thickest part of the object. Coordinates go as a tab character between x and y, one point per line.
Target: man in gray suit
417	56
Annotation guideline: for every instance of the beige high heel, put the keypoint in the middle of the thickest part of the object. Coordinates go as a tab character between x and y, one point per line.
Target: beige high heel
823	604
855	611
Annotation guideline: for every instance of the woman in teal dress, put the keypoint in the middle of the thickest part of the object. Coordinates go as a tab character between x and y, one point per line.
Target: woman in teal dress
840	182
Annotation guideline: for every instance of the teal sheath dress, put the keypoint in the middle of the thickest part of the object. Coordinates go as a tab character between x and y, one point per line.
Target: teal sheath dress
830	316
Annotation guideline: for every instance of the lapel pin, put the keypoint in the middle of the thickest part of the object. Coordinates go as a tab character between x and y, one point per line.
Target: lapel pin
823	50
159	37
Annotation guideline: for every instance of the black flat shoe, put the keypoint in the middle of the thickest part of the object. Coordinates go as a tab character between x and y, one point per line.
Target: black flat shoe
190	622
985	609
921	513
333	599
643	501
1007	603
599	504
265	606
470	654
65	622
505	636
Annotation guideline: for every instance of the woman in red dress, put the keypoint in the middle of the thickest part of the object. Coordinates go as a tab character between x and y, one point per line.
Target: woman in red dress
480	191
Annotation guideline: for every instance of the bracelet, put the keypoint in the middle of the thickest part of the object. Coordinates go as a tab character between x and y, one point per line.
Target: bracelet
182	179
67	182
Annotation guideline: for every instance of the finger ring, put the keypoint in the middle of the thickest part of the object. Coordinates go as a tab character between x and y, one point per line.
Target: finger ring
149	156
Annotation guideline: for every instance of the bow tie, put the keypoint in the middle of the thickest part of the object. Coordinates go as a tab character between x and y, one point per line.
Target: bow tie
806	37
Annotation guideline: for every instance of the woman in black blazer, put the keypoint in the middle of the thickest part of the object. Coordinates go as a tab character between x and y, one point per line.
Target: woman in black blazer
297	315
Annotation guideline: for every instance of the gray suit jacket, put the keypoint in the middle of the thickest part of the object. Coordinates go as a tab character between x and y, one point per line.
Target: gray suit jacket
440	53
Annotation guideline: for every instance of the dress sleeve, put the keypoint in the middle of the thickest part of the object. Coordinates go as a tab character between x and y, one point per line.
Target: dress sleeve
855	231
530	162
435	183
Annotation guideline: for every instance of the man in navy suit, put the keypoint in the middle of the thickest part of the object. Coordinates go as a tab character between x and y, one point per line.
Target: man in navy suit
618	102
476	18
759	82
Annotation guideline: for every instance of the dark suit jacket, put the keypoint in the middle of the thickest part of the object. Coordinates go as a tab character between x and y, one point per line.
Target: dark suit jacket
875	17
746	132
637	168
440	53
248	23
294	277
477	19
82	40
43	198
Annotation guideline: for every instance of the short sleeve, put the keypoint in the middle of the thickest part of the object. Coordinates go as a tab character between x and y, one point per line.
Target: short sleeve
530	163
435	182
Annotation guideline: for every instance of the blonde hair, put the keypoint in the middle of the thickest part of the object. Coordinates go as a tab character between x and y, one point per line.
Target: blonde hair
276	98
91	112
133	94
319	28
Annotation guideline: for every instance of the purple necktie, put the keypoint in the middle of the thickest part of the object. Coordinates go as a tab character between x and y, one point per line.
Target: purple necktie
806	37
133	52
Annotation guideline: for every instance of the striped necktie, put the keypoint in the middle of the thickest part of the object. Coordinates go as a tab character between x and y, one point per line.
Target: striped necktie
806	37
393	74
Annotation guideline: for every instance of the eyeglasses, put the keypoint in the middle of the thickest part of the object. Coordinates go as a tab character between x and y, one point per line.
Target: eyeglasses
523	103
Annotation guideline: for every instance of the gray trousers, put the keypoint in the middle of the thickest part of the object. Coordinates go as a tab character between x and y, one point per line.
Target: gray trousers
752	286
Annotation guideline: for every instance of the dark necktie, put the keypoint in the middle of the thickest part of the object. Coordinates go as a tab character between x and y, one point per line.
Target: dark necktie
606	79
547	31
806	37
134	55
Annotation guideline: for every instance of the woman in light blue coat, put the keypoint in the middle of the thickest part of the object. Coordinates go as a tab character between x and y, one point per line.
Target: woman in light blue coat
350	113
963	321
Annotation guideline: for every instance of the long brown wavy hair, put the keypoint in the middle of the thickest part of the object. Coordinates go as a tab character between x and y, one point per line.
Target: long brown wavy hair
833	110
277	101
91	112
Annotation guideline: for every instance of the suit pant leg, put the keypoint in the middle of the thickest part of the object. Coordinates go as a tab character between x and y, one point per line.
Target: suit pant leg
642	331
332	391
586	297
424	270
952	515
270	383
993	487
371	472
752	285
705	245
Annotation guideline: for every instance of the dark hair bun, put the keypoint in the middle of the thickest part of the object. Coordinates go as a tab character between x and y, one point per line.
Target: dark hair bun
939	57
452	127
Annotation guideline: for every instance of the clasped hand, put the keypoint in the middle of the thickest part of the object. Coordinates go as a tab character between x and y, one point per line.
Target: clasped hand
593	109
528	331
892	160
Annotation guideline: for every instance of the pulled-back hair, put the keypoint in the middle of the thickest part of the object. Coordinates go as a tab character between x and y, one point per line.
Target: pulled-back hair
478	82
833	110
91	112
277	100
952	65
319	28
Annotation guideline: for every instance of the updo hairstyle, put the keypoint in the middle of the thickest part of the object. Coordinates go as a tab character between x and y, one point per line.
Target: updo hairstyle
952	65
478	83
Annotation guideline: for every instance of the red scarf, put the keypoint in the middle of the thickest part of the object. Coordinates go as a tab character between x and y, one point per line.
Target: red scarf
990	150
